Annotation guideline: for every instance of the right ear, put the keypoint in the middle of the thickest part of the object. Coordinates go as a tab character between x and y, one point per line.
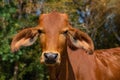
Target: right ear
78	39
25	37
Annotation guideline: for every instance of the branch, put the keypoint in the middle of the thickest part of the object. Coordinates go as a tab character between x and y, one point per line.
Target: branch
116	35
15	71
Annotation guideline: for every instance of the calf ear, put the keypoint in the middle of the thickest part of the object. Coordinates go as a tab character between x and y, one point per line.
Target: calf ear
25	37
78	39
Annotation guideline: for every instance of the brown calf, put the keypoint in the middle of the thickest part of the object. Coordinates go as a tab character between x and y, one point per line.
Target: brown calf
66	50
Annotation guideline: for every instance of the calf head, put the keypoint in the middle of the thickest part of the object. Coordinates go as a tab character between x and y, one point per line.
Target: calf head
55	35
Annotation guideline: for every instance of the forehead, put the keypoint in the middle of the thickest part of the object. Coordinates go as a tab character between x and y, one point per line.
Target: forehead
53	21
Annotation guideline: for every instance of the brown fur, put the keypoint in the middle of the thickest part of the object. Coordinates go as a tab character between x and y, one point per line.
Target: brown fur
71	45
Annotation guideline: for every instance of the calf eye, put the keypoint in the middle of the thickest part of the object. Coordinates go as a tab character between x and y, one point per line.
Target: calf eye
40	31
65	32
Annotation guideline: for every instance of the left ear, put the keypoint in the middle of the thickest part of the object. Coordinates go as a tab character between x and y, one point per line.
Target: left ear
78	39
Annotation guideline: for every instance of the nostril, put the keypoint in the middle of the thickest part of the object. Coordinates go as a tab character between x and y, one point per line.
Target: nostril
55	56
46	55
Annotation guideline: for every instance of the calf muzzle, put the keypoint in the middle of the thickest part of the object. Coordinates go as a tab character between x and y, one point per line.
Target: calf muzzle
50	58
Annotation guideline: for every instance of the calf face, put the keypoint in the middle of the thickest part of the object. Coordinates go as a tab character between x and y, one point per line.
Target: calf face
55	35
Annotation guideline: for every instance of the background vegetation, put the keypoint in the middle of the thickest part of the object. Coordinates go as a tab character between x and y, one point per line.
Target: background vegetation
99	18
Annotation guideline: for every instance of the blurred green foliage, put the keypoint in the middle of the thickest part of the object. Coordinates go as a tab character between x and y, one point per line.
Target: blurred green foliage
27	60
16	15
